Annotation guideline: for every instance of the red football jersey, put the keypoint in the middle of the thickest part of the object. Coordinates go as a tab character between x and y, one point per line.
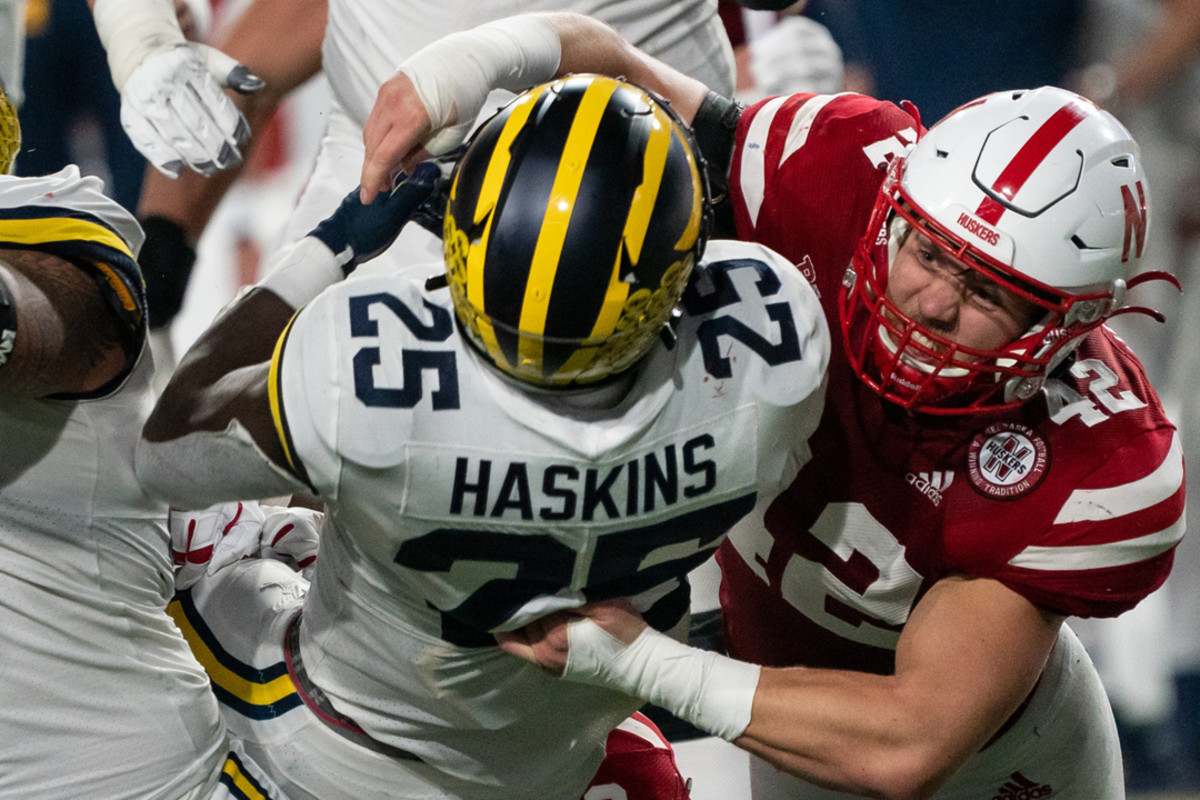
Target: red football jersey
639	764
1075	500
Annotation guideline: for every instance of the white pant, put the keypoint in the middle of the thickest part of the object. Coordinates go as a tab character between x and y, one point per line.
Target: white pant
238	778
236	622
1062	747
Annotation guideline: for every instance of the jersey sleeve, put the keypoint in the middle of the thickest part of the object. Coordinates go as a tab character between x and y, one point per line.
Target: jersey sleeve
805	172
303	392
1112	541
68	216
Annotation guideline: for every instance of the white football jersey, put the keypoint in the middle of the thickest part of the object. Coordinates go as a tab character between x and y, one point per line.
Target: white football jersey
99	694
365	40
460	503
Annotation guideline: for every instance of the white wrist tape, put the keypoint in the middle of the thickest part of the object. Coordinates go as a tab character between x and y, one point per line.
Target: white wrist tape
707	689
303	271
130	30
454	75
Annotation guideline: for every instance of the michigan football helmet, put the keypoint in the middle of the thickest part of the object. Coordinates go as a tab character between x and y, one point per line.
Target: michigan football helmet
10	132
1040	191
573	222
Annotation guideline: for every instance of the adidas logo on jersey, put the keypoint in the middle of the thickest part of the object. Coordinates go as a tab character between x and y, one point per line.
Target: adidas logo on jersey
1018	787
931	484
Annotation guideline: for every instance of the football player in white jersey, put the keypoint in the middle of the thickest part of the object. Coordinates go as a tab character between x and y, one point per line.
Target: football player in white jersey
992	459
100	695
363	42
578	410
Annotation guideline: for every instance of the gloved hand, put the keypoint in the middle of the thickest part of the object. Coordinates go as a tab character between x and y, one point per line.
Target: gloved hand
203	542
292	535
356	232
175	112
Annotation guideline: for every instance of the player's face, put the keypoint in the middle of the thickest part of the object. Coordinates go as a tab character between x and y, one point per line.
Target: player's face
945	296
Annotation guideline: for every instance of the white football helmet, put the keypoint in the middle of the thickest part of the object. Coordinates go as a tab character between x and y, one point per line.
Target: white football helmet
1042	192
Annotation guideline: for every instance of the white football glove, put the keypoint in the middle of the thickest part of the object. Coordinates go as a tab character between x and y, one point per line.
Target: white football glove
172	104
292	535
175	112
204	541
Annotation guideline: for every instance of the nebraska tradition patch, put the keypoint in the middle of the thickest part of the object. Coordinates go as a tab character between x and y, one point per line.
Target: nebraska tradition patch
1007	460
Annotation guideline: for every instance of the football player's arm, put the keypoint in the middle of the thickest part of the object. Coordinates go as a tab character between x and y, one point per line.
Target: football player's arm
429	105
173	104
970	653
175	212
212	436
253	40
58	334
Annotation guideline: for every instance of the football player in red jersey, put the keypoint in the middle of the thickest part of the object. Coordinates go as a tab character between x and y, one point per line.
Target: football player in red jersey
991	461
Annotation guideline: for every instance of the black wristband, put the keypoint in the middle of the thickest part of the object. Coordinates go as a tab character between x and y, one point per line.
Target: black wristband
8	321
715	126
166	261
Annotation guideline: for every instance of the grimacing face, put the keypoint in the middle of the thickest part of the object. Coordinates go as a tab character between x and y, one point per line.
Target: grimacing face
949	298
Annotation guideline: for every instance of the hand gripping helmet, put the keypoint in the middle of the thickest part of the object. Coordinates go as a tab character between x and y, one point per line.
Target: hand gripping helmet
1040	191
574	218
10	133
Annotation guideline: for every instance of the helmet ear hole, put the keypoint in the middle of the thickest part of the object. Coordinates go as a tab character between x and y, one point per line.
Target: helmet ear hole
573	222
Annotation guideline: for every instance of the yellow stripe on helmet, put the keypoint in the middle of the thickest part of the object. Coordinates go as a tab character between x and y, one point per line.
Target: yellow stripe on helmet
548	251
638	222
692	232
489	192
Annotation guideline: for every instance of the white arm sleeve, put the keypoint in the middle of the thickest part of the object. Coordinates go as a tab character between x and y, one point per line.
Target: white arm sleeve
130	30
204	468
454	75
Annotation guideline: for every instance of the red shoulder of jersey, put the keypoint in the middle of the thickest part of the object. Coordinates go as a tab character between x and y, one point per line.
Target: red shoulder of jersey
805	172
1110	509
639	764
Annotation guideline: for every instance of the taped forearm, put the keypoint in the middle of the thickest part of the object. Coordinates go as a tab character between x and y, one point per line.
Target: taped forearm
707	689
303	271
454	75
130	30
